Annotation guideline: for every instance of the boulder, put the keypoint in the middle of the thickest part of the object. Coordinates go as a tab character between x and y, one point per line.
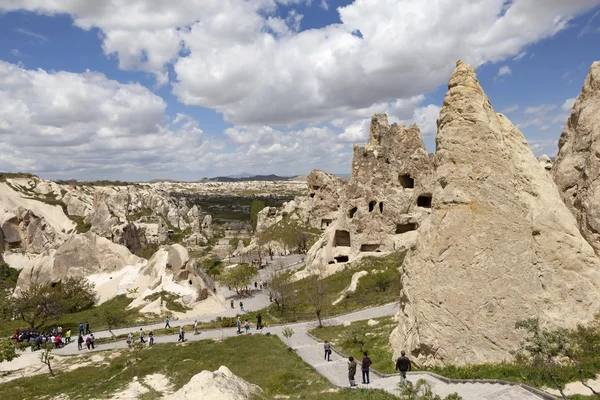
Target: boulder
499	245
219	385
576	169
545	162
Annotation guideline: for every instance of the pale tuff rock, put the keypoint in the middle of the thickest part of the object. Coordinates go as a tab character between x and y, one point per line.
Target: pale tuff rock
219	385
387	199
576	170
499	246
545	162
325	193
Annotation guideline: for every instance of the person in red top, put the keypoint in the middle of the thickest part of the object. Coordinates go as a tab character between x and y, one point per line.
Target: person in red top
366	363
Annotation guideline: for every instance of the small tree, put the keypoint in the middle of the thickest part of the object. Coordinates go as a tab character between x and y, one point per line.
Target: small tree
77	293
317	293
36	304
421	391
358	334
112	320
240	277
287	333
8	350
46	357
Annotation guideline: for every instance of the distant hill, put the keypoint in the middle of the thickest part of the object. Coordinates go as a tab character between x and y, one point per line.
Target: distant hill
247	178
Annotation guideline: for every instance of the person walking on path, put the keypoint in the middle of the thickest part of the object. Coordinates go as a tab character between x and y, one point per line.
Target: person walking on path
142	333
258	321
327	347
87	328
232	304
88	342
81	328
80	341
239	325
68	335
93	339
351	371
195	327
130	339
151	336
181	335
167	322
403	364
247	327
366	363
59	330
242	306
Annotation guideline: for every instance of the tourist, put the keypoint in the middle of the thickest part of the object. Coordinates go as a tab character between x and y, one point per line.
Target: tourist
247	327
260	284
327	347
87	328
142	336
68	335
258	321
130	339
93	339
181	334
403	364
151	335
195	327
351	371
366	363
255	285
232	304
60	331
80	341
167	322
88	342
239	326
242	306
81	328
57	342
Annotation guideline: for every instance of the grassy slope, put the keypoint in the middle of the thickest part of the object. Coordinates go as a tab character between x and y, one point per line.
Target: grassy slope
262	360
376	341
368	292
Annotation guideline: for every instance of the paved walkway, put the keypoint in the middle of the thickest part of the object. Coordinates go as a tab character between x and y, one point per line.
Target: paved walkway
311	351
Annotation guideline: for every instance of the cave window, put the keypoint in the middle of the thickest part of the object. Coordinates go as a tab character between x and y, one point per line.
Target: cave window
325	222
352	212
403	228
190	281
369	247
341	259
406	181
312	195
372	205
341	239
381	207
424	201
316	187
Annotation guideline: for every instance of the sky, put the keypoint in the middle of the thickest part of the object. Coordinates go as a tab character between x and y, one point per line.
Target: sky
155	89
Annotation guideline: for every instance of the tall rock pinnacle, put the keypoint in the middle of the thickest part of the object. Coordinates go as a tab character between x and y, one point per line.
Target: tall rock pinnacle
576	170
499	246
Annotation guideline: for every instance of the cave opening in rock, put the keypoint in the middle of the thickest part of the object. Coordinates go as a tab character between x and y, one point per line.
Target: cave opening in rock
352	212
341	239
424	201
190	281
312	195
406	181
341	259
369	247
316	187
325	222
403	228
372	205
381	207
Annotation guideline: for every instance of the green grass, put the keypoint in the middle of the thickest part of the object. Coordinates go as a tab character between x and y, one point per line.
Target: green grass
82	226
170	301
143	212
117	305
373	289
376	341
262	360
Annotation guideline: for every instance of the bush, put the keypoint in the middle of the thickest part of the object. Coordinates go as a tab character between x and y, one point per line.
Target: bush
8	276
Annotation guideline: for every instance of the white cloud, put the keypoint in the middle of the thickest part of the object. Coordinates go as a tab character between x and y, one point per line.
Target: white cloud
541	109
426	117
520	56
504	70
39	36
235	57
66	123
568	104
511	109
324	5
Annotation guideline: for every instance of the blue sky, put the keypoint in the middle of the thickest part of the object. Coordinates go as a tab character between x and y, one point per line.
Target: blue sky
206	87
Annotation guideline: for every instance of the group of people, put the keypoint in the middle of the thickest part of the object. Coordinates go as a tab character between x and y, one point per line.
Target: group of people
259	324
56	336
403	365
130	338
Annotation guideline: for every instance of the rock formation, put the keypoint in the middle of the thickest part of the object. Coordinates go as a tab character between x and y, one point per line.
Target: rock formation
576	169
499	246
325	193
219	385
387	199
545	162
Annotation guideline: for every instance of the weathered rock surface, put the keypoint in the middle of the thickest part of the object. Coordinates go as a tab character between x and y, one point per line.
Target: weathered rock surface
576	169
219	385
545	162
387	199
499	246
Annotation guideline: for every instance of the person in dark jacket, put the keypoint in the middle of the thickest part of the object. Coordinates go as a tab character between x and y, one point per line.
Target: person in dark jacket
403	364
327	347
366	363
351	371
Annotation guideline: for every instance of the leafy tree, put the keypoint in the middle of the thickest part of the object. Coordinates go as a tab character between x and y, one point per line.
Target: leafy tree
37	304
281	290
317	293
8	276
8	351
239	277
112	319
77	293
46	357
256	207
287	333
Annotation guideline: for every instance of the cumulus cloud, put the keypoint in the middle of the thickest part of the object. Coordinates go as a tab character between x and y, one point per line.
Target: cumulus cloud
504	70
61	122
265	71
568	104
